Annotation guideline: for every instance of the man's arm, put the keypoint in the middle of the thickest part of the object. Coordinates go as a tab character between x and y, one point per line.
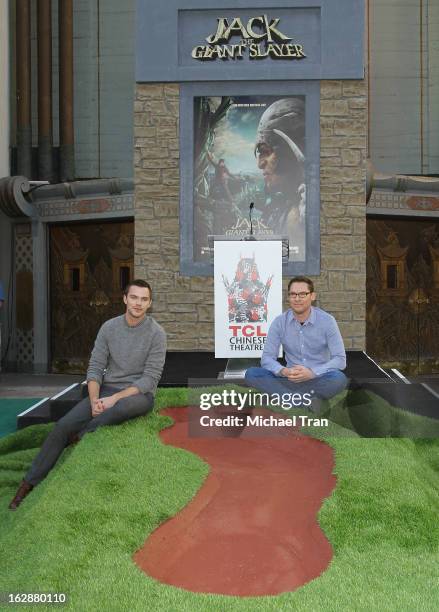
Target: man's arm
95	372
99	358
93	390
336	348
93	394
271	349
154	363
108	402
148	382
236	177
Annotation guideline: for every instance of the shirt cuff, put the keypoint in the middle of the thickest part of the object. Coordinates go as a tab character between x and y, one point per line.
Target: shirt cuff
319	370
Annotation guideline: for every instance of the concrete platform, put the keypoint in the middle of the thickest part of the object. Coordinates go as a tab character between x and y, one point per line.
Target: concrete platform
64	391
35	385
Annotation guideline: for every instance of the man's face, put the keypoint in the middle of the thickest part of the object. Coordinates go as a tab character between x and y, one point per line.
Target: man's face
300	298
268	162
137	301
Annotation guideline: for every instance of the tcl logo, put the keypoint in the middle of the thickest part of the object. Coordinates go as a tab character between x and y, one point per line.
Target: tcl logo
248	331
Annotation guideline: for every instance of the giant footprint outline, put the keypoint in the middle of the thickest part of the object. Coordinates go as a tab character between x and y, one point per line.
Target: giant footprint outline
251	529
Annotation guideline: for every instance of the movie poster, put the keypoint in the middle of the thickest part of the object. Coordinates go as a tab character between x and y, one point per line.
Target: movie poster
249	149
248	295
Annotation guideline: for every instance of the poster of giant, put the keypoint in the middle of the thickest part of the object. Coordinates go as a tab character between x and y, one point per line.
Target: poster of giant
248	295
249	149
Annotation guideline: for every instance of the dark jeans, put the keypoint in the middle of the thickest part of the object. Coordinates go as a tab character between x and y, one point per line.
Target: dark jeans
80	421
322	387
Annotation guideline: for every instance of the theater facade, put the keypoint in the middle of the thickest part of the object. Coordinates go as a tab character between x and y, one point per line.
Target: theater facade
224	84
262	103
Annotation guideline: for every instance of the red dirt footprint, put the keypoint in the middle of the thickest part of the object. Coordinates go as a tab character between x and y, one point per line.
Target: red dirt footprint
252	527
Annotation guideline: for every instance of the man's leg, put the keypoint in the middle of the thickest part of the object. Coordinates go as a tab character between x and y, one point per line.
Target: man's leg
329	384
57	440
52	448
79	420
123	410
323	387
72	423
264	380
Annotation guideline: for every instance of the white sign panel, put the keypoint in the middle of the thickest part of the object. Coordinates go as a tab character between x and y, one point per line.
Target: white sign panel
248	295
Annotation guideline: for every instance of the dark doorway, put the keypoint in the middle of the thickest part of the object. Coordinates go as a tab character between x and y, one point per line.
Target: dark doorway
90	264
403	294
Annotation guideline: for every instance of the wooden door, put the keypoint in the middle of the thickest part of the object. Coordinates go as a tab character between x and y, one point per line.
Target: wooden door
90	264
403	294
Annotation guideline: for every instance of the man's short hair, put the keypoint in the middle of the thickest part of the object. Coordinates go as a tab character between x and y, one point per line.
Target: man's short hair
302	279
138	283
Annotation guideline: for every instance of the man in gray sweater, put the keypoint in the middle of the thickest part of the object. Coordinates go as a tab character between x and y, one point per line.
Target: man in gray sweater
122	377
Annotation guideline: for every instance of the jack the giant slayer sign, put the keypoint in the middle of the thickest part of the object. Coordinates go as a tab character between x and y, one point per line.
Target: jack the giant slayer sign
260	37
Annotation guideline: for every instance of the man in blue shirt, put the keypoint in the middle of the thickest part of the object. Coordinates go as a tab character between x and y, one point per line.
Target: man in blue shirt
313	348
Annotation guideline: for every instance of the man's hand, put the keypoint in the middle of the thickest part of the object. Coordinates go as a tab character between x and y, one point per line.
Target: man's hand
298	373
96	407
101	404
93	394
108	402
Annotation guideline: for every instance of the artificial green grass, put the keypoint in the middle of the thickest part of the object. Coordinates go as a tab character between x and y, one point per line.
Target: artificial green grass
372	416
77	531
9	409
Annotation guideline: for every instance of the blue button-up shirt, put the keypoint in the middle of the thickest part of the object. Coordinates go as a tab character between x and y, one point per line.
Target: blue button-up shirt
317	344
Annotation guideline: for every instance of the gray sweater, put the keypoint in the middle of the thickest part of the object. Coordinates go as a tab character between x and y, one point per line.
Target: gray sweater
125	356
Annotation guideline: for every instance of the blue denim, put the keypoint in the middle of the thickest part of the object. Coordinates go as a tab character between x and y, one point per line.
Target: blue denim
325	386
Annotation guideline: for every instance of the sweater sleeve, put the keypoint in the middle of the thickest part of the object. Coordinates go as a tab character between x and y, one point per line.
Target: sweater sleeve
99	357
154	363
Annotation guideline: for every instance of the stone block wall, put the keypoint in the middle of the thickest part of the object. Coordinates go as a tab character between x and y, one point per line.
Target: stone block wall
341	286
184	305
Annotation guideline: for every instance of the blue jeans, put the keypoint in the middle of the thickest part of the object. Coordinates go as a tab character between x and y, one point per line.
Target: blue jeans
323	387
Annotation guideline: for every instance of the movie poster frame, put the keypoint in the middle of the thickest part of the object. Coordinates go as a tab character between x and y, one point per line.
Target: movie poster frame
311	92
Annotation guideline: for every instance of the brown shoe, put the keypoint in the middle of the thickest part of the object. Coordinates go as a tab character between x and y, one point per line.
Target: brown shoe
24	489
73	439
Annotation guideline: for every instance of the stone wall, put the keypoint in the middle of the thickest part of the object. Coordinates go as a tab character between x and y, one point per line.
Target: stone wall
184	305
341	286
